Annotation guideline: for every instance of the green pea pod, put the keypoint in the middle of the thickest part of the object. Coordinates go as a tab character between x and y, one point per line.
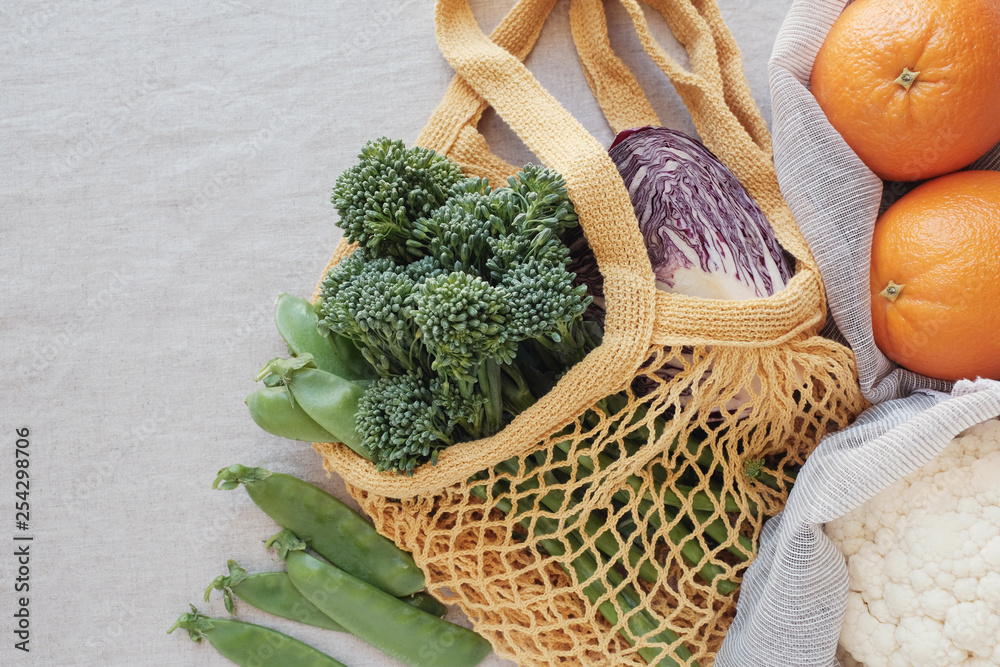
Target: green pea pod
331	528
331	401
426	602
400	630
273	380
298	322
272	592
252	645
274	410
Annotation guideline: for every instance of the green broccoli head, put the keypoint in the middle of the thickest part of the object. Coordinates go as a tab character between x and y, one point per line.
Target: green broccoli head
453	286
462	321
424	269
508	251
544	302
401	422
379	198
338	296
546	207
456	234
371	302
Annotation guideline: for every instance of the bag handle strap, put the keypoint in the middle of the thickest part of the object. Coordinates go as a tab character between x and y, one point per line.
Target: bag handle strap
616	89
734	83
714	90
729	122
451	129
716	93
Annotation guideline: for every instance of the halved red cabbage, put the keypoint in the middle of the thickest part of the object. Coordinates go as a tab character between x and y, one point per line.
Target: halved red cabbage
705	235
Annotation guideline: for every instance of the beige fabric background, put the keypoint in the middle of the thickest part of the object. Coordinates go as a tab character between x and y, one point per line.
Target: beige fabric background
166	173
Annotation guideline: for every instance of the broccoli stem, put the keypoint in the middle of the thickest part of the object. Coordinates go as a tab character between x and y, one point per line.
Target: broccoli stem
766	478
575	340
692	552
638	436
516	393
674	497
633	440
555	500
678	535
490	388
719	531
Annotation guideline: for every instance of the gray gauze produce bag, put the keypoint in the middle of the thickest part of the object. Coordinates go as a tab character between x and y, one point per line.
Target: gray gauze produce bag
794	594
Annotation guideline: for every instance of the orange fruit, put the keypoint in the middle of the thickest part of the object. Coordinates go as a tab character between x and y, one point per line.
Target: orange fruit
912	85
935	277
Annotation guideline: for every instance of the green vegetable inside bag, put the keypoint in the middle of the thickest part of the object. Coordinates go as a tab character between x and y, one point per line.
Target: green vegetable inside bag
458	300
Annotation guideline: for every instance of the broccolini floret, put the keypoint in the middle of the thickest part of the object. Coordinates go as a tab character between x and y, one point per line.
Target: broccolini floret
545	208
457	234
455	285
543	302
401	423
463	321
371	302
392	186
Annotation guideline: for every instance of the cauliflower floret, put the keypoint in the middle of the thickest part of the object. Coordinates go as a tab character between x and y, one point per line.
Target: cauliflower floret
923	558
973	626
922	642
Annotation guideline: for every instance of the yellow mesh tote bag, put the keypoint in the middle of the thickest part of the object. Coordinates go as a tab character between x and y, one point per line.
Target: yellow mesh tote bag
610	523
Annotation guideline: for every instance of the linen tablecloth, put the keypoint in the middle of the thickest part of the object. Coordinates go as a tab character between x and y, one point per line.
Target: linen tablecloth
167	170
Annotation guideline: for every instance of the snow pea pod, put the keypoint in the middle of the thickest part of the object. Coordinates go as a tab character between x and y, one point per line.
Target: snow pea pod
328	399
400	630
252	645
331	401
426	602
298	325
330	527
272	592
274	410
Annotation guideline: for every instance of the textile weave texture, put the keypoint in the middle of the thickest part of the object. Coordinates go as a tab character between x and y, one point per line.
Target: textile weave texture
794	594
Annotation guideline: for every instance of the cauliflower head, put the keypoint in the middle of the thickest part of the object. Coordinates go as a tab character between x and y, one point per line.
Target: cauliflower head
923	557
